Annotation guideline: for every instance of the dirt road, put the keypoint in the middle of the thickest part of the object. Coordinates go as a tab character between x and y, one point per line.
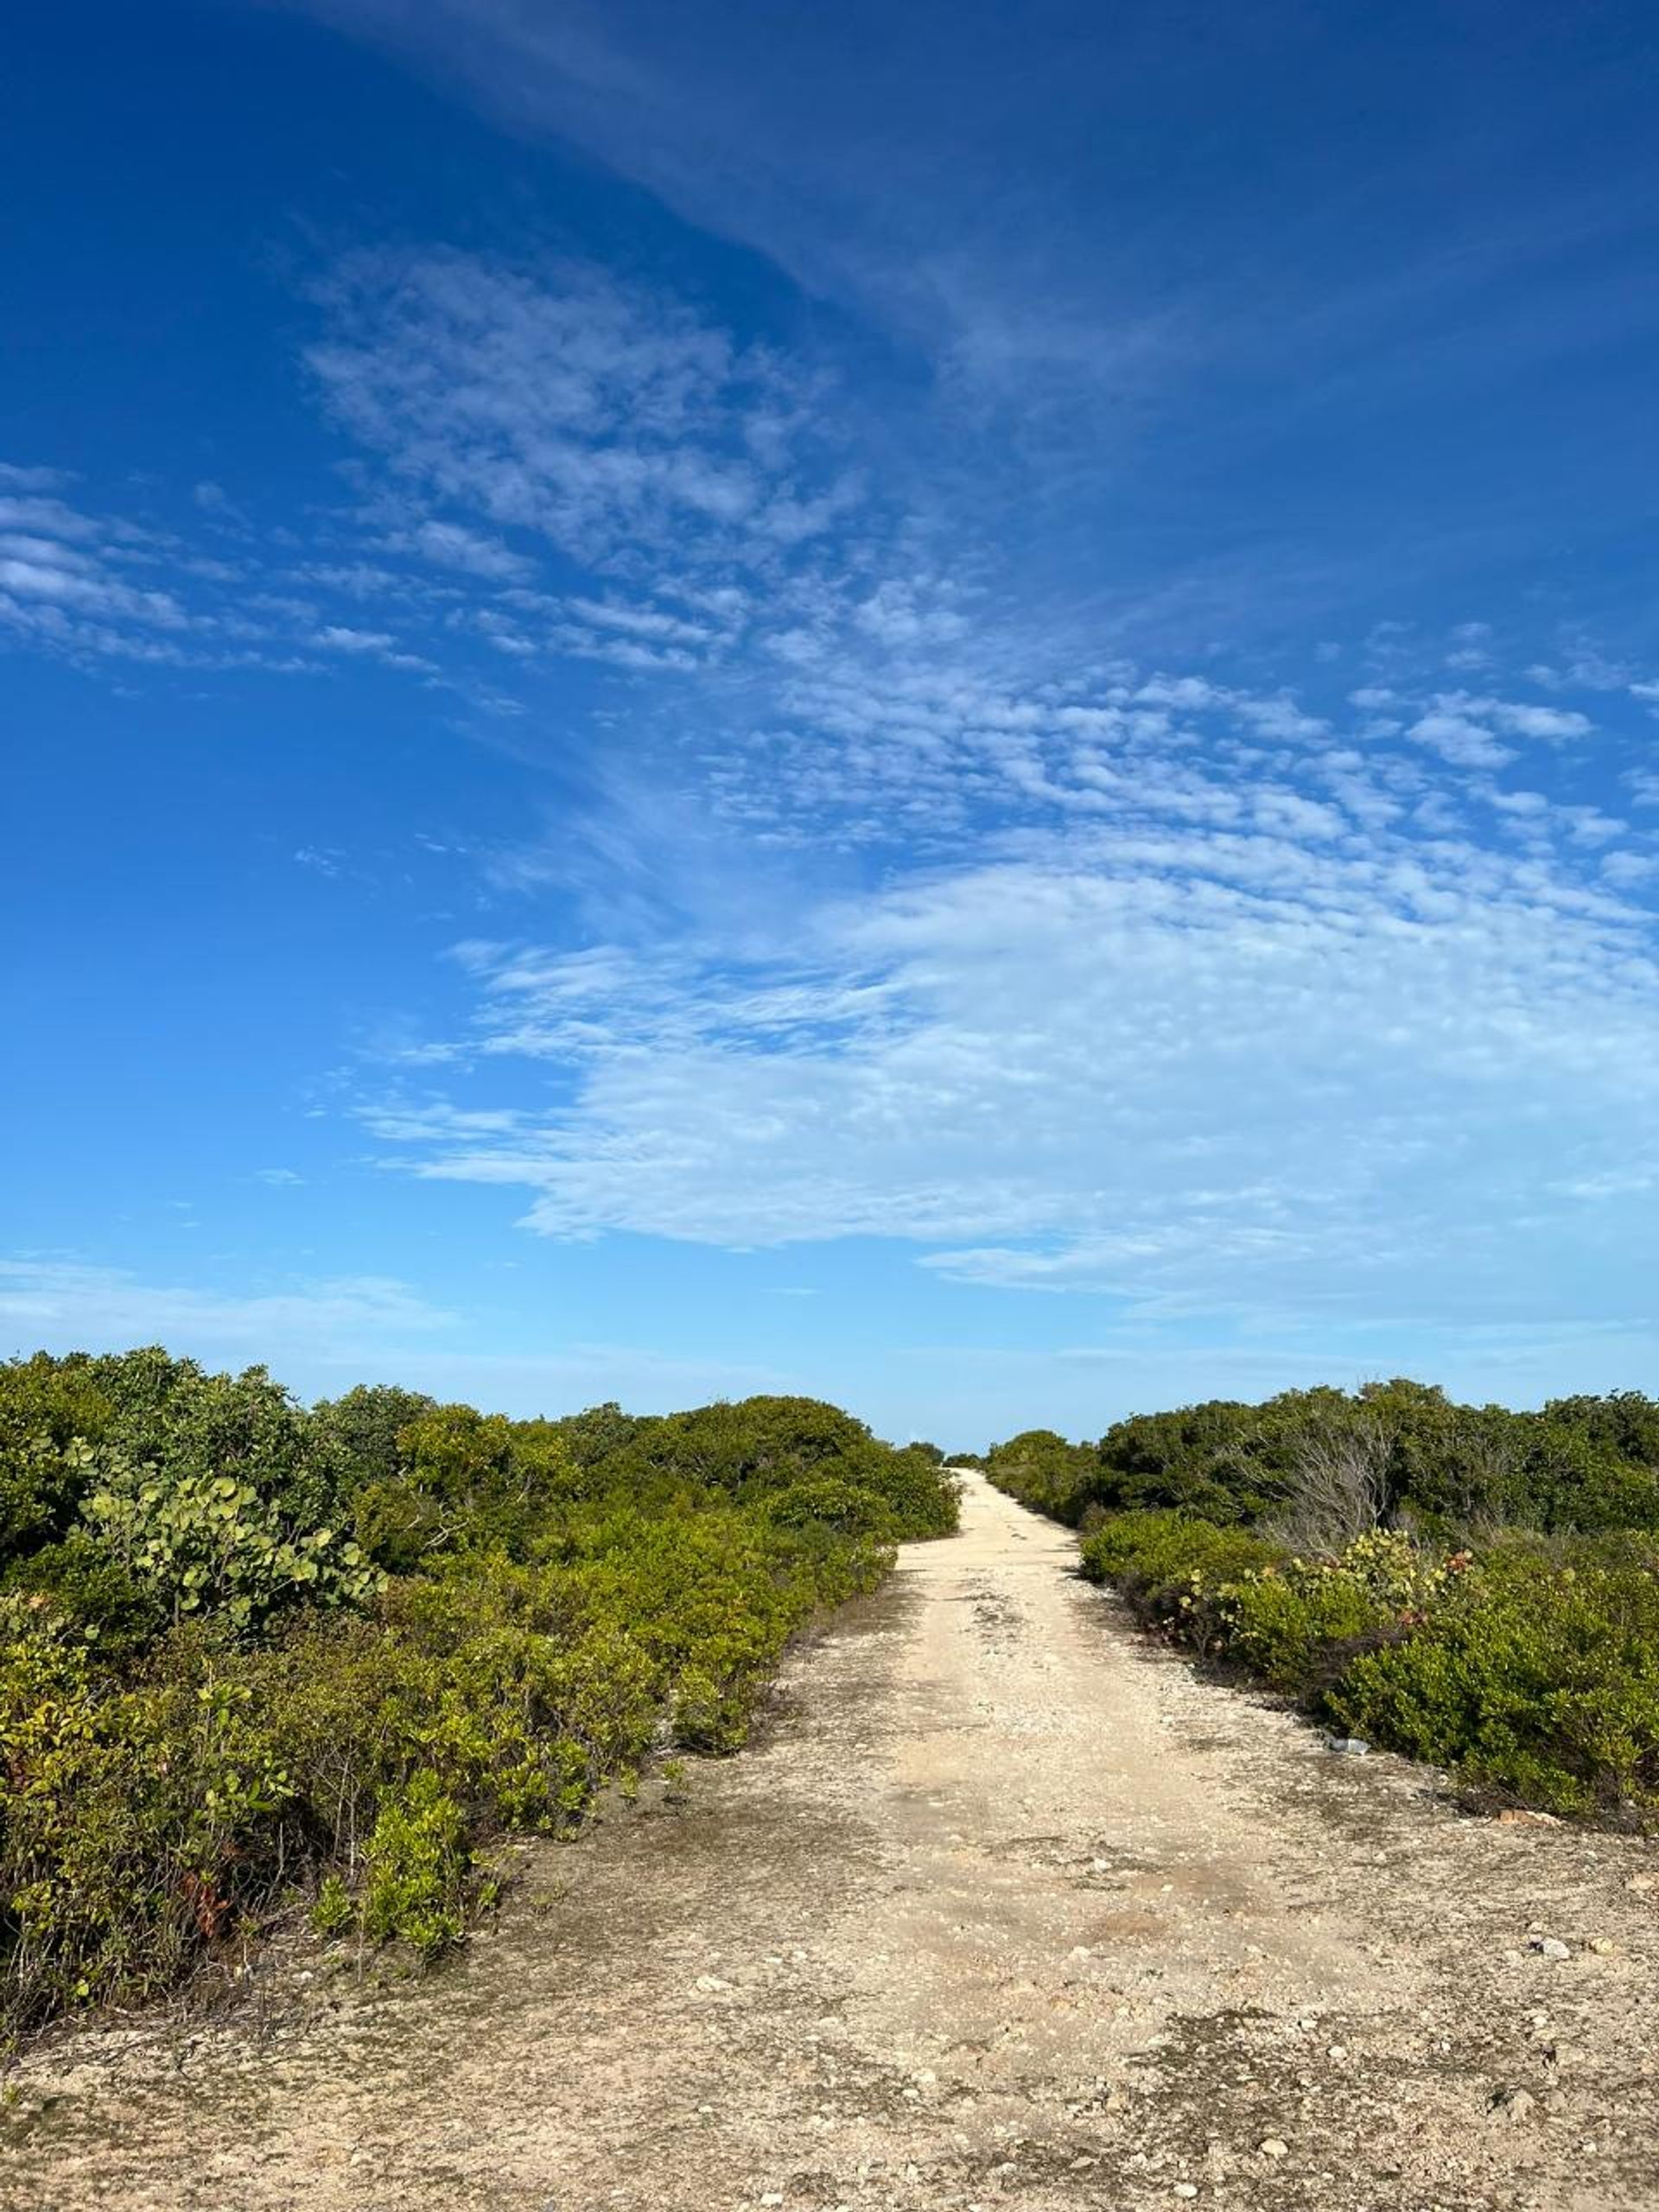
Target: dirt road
1007	1908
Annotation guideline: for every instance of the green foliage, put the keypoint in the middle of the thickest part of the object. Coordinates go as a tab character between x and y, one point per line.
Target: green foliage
1408	1453
363	1427
335	1908
244	1647
1539	1678
171	1415
211	1543
417	1863
1043	1470
1176	1569
599	1433
756	1447
466	1481
828	1502
1531	1667
80	1580
1298	1622
51	1416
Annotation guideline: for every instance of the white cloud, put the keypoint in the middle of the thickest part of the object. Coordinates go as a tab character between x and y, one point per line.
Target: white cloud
1463	743
321	1338
1197	1062
64	1304
563	402
452	545
369	645
67	583
1629	871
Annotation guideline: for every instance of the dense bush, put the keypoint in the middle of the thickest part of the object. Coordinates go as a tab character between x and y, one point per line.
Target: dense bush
250	1653
1175	1567
1541	1676
1470	1586
1388	1453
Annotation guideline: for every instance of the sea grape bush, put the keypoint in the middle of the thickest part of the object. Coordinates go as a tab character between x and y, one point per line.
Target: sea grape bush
211	1542
1471	1586
254	1656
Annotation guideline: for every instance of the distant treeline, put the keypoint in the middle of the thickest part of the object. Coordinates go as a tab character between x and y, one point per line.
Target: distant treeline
1472	1587
1386	1452
258	1658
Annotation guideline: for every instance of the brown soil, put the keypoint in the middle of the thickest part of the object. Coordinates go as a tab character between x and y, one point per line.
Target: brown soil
1009	1906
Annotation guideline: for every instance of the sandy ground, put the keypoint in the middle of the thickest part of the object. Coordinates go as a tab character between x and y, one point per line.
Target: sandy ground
1006	1907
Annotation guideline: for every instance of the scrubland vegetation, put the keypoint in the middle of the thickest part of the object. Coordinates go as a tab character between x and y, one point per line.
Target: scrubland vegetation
1472	1587
254	1657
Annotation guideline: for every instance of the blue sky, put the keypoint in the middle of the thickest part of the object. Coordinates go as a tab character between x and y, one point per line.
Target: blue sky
953	706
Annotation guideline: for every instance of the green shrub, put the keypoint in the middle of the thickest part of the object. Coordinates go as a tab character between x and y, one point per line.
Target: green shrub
140	1821
81	1581
1538	1678
1043	1470
211	1543
1284	1627
1296	1623
1582	1463
1532	1668
363	1427
417	1864
830	1501
210	1696
334	1908
51	1416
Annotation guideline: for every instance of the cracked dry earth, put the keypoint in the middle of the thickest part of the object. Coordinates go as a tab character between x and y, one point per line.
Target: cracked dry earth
1007	1907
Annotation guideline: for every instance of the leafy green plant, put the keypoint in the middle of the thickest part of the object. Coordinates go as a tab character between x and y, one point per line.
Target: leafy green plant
209	1691
416	1867
334	1909
1294	1622
211	1542
1536	1677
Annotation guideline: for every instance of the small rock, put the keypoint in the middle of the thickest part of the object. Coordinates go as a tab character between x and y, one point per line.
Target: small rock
1601	1945
1186	2189
1273	2146
1353	1747
1551	1947
1512	2104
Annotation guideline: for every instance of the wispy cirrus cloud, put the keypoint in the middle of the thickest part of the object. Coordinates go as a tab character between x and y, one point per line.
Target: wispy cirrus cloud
1201	1040
1169	982
1169	985
78	583
322	1335
62	1303
609	419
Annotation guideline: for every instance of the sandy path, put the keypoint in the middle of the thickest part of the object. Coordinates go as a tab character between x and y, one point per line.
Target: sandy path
1009	1907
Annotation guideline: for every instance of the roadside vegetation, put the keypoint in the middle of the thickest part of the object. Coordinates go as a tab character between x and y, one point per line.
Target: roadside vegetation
1472	1587
255	1657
